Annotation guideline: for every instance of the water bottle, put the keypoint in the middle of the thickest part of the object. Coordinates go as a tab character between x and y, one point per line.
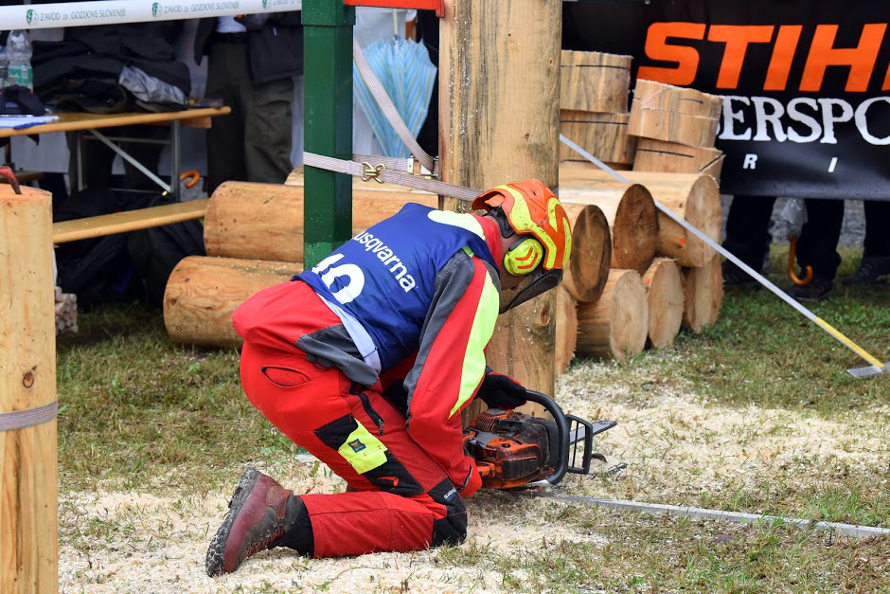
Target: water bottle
18	51
4	64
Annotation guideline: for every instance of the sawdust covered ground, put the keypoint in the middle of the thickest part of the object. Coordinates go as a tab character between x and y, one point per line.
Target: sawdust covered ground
676	446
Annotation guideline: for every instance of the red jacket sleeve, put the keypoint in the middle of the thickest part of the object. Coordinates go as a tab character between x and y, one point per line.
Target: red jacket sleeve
450	362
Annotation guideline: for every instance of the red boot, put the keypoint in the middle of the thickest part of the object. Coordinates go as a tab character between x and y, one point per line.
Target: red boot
260	512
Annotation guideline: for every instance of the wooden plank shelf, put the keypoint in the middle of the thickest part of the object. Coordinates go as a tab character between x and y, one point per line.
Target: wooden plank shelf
131	220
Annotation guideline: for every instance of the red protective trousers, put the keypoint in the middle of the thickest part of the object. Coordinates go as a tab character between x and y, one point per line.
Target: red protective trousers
404	500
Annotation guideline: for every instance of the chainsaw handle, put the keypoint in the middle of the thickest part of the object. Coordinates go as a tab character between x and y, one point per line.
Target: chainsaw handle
563	425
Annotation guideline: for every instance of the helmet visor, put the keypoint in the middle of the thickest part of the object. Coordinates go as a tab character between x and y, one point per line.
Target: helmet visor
536	283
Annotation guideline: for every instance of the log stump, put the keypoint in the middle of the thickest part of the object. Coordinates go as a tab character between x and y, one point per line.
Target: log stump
703	288
630	212
616	325
591	252
664	295
202	293
693	197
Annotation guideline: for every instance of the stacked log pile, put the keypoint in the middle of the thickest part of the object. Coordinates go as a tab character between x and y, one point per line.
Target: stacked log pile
66	312
594	90
662	277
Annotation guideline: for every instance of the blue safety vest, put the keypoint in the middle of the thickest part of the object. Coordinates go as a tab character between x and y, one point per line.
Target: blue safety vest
385	277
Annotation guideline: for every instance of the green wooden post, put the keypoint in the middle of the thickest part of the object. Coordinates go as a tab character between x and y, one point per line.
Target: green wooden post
327	99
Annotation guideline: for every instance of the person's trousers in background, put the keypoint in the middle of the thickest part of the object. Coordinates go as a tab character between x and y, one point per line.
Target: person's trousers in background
817	246
747	229
877	229
253	142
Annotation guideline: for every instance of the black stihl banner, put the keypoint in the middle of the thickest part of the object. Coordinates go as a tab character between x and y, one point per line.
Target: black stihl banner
805	83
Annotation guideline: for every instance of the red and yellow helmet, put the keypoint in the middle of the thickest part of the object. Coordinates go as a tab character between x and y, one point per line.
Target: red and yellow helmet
531	208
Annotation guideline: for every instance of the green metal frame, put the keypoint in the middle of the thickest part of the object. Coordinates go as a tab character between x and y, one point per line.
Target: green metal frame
327	98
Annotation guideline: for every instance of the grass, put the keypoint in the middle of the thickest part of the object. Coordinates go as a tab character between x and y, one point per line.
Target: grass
141	413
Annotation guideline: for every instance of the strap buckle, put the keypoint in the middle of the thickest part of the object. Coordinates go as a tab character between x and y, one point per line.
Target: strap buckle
372	172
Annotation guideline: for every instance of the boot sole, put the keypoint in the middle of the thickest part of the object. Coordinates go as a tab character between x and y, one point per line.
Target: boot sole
214	559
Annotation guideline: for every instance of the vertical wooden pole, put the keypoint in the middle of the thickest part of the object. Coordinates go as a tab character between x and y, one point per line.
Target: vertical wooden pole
28	456
499	122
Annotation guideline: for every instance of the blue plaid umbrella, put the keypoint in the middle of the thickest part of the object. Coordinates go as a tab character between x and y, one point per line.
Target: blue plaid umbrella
406	72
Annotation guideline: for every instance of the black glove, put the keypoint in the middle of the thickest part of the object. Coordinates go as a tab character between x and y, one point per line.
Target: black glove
501	391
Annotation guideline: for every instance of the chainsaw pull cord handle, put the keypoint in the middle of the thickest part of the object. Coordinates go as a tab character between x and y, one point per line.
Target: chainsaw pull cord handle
563	425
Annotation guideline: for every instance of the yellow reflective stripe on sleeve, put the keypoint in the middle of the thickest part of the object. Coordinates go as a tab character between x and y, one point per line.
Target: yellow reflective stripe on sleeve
362	450
474	358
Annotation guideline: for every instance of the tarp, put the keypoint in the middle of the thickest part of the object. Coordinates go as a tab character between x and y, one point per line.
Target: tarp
806	83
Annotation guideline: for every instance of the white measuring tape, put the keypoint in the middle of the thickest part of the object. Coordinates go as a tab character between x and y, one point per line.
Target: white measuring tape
116	12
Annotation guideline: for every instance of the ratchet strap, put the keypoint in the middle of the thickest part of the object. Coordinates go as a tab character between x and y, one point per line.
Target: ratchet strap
19	419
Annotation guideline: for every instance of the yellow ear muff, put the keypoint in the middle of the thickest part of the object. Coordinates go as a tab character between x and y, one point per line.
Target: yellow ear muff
524	257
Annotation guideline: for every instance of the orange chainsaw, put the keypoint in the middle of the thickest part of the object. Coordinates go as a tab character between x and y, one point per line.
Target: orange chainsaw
514	449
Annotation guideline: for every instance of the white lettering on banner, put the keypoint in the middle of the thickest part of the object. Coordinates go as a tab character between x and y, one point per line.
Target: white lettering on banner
806	119
832	165
385	254
750	162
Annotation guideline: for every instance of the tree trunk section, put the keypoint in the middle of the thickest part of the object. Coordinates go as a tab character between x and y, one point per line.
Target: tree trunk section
566	329
630	213
664	295
591	252
493	130
29	554
704	294
202	293
594	81
615	326
265	221
693	197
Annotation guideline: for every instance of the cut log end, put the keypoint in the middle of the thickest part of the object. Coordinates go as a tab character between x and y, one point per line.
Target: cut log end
591	252
616	325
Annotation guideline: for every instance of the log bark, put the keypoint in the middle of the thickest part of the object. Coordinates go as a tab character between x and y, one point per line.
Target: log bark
594	81
703	289
603	135
665	298
494	131
265	221
591	252
566	329
28	455
202	293
672	157
630	212
616	325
